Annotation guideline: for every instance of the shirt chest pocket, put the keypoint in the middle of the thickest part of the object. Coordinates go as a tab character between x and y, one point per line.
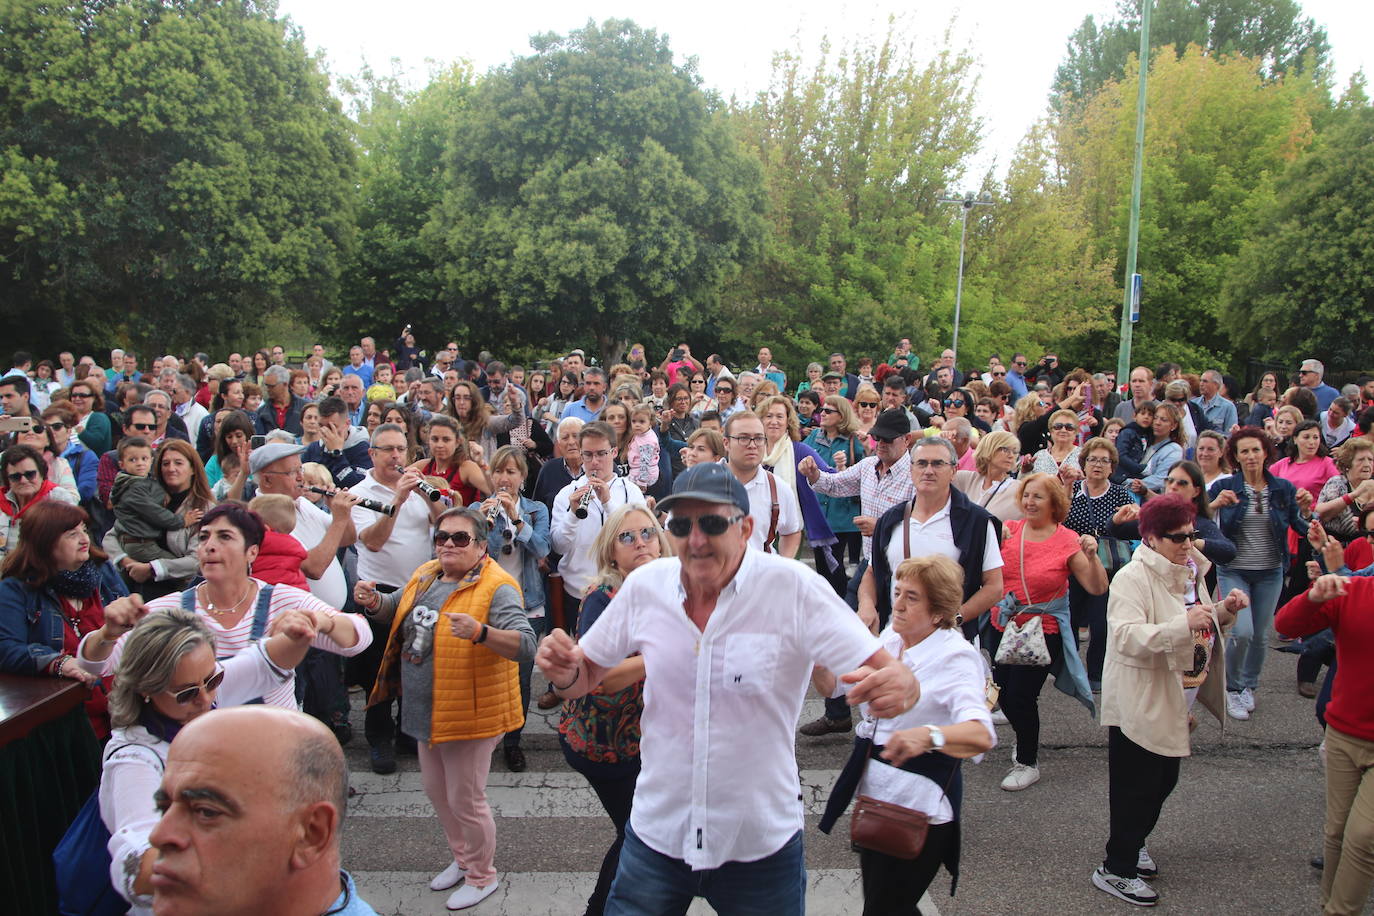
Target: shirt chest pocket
749	663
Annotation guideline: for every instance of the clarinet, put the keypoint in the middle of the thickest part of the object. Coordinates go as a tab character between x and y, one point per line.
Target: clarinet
428	490
364	501
581	510
507	533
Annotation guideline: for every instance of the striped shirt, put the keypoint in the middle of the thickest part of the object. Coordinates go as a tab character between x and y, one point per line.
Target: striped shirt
877	491
1255	547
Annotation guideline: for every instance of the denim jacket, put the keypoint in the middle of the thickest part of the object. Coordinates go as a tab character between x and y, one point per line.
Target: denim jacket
31	621
1283	510
533	536
1070	676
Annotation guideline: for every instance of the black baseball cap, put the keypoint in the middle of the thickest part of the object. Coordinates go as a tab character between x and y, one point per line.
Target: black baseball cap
710	483
892	423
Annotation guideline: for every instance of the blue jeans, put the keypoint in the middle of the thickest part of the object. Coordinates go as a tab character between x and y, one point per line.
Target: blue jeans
648	883
1249	640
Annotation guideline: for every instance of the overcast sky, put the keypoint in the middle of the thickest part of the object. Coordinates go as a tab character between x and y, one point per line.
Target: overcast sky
1018	44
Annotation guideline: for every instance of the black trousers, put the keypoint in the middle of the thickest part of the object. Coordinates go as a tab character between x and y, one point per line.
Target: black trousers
1021	685
893	887
379	726
1138	782
1089	610
614	785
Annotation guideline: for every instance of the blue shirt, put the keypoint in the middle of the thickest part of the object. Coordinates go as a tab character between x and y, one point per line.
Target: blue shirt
363	372
1017	382
1325	394
1220	413
580	410
348	903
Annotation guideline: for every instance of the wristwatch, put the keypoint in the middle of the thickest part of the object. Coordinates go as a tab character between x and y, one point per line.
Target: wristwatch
937	737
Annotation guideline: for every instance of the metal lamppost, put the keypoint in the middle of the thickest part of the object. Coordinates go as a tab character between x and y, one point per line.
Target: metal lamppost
966	204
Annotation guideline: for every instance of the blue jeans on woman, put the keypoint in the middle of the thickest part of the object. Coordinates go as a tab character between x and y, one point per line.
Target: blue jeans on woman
1250	636
649	883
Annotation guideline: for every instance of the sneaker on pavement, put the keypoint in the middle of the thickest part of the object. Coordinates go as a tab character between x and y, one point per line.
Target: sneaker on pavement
1235	706
467	895
383	759
448	877
1131	890
1145	866
826	726
999	717
1020	777
1247	696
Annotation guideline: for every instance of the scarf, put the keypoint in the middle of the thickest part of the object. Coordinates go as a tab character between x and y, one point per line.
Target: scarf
158	725
77	583
7	505
781	461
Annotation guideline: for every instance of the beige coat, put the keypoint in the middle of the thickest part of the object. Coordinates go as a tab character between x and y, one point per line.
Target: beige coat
1149	647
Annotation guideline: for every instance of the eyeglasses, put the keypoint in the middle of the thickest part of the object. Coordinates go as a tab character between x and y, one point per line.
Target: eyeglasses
211	683
828	410
1306	371
749	440
602	453
1018	362
1063	426
18	476
996	374
643	535
1097	459
698	381
866	403
934	463
55	425
720	390
1008	450
1180	537
710	525
456	538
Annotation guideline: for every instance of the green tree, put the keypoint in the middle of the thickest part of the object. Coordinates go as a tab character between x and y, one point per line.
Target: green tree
1304	285
1272	33
172	170
593	187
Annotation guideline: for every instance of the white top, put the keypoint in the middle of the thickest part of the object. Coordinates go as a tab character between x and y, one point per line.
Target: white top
935	535
575	538
952	691
719	771
133	763
233	640
311	524
409	545
761	508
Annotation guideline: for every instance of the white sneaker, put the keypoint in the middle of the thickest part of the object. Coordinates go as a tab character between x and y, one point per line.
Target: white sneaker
1145	866
999	717
1247	696
1131	890
1020	777
448	877
1235	706
467	895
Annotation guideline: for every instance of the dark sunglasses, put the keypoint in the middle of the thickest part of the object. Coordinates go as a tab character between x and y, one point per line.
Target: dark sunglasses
143	427
79	394
995	374
710	525
954	402
827	410
456	538
1180	537
643	535
867	403
17	476
720	390
1178	400
1063	426
55	425
190	693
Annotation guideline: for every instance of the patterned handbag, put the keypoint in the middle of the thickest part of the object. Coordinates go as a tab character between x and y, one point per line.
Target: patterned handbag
1024	643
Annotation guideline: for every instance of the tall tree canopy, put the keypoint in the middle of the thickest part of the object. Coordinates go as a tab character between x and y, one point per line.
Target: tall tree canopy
594	190
171	169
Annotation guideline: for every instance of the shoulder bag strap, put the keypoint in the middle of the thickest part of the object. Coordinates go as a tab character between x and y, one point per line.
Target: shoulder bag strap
1025	583
260	613
906	533
772	512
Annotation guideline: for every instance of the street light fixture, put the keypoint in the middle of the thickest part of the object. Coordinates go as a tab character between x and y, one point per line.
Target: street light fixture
966	204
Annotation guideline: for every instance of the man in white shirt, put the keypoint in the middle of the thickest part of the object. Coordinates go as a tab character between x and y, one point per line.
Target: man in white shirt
772	505
575	538
729	638
390	549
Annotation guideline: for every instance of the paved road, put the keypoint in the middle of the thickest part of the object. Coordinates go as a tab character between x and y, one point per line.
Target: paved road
1235	837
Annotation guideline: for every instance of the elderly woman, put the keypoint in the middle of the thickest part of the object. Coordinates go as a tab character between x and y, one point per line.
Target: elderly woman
835	439
599	732
519	540
913	759
1351	487
990	484
1062	452
168	675
24	484
59	420
55	590
1256	511
458	632
812	382
92	425
238	608
1164	650
1039	554
59	471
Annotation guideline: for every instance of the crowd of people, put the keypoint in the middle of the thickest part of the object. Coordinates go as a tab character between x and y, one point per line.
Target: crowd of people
429	528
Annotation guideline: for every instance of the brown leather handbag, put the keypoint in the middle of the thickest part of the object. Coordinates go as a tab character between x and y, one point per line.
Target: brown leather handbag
893	830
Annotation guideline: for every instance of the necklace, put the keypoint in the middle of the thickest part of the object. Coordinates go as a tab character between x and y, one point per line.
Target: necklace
219	611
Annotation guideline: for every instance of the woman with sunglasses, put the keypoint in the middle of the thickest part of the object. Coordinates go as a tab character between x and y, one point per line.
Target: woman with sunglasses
167	676
1164	652
24	484
458	632
599	732
866	407
1060	457
38	438
960	403
92	425
1256	509
59	420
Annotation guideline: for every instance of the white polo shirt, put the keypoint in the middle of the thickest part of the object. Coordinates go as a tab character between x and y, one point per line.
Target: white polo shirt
761	508
409	544
311	524
935	535
575	538
719	780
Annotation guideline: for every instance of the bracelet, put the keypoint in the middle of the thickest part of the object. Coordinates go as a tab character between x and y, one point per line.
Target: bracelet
1348	499
481	636
568	685
57	666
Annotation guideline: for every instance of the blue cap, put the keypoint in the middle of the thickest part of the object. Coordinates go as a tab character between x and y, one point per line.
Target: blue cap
709	482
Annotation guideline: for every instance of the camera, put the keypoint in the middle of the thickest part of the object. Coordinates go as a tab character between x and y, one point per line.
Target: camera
257	442
676	355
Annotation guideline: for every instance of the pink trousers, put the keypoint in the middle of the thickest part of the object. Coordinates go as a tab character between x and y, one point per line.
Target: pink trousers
455	779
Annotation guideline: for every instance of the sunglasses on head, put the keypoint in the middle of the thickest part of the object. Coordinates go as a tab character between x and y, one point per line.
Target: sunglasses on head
190	693
1180	537
456	538
710	525
643	535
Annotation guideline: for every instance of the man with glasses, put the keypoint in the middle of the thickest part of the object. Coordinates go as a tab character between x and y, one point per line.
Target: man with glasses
1310	376
390	549
716	810
773	505
140	421
1016	377
169	425
938	520
596	492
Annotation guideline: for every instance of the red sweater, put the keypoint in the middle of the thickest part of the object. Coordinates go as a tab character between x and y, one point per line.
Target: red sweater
1351	618
279	560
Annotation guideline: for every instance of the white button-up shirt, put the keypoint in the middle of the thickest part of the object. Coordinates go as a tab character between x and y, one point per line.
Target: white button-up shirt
877	492
409	544
761	508
719	772
575	538
935	535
